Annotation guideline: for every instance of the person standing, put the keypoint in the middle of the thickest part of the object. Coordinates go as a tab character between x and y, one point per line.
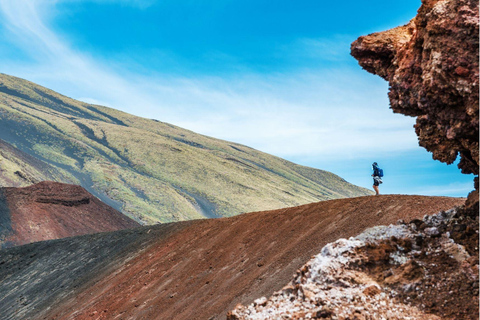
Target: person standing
377	177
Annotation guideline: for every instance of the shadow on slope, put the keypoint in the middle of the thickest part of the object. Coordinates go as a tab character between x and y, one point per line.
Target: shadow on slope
19	169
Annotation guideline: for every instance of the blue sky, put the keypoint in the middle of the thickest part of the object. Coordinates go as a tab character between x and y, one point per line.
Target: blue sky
273	75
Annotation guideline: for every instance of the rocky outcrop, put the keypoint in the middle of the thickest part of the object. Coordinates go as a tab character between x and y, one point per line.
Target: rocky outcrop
432	66
419	270
52	210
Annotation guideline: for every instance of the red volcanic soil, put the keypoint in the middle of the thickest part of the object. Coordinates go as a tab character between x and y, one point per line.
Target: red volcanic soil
52	210
199	269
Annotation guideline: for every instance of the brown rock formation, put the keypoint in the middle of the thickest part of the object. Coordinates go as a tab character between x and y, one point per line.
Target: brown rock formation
52	210
432	66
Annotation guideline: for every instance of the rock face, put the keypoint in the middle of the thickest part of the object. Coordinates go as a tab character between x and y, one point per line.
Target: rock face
52	210
432	66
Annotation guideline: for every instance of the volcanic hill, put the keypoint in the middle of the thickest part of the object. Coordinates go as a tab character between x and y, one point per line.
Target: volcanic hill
180	175
52	210
196	269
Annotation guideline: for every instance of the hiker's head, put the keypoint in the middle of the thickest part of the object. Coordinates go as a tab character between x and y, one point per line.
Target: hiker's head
374	165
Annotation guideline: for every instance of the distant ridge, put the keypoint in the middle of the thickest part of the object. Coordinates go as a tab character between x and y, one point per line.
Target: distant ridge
150	170
52	210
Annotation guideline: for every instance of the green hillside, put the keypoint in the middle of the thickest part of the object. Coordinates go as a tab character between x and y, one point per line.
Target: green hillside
18	168
150	170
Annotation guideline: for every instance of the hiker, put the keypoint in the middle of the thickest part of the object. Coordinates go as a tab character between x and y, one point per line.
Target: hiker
377	177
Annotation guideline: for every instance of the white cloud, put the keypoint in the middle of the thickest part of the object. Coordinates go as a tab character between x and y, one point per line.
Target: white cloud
301	113
304	115
67	71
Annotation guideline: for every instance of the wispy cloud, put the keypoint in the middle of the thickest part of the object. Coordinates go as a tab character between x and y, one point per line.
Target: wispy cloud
307	112
54	62
301	115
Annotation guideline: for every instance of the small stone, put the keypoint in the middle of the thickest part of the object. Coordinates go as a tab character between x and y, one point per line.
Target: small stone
261	301
371	290
462	72
325	313
432	232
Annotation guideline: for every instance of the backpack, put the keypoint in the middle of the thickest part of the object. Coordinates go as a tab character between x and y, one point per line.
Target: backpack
380	172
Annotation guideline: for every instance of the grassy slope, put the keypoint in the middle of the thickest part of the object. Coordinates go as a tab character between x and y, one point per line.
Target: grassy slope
156	171
19	169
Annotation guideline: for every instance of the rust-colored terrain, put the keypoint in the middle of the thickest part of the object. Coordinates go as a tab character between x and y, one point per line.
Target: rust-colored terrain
187	270
52	210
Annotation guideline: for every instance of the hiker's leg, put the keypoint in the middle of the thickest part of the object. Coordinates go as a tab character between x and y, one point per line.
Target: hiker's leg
376	190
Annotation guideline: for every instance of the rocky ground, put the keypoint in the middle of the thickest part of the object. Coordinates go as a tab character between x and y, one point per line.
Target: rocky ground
52	210
188	270
424	269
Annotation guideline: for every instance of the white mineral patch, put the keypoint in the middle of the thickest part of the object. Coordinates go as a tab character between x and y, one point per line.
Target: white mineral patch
375	234
440	8
332	257
329	283
398	258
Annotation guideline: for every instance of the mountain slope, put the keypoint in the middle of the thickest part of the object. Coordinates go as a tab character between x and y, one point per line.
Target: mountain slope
52	210
186	270
18	168
155	171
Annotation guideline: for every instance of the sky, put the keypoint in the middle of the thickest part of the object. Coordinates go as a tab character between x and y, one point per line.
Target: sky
273	75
